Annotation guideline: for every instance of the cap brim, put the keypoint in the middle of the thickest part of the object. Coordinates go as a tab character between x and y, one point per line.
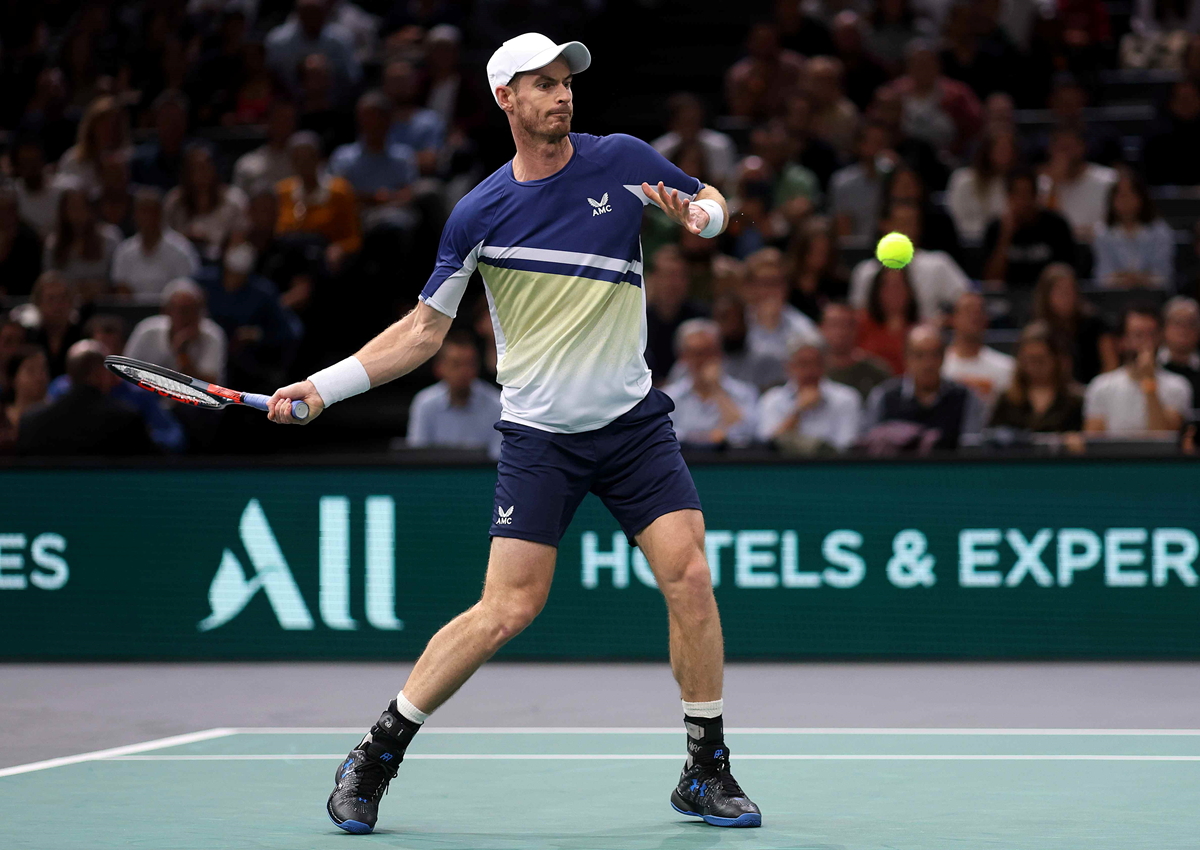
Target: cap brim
578	57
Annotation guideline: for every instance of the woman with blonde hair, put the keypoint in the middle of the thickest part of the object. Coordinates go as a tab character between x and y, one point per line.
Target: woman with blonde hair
1041	396
81	247
104	128
1079	331
203	208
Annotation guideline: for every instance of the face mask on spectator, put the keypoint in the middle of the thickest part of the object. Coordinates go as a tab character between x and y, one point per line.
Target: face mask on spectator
240	258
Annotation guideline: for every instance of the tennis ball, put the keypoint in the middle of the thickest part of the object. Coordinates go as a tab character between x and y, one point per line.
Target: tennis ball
894	250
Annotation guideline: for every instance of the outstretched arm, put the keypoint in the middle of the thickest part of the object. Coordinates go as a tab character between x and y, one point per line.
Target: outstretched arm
691	214
396	351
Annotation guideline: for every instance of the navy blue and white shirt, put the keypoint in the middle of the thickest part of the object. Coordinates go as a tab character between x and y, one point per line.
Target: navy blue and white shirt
561	261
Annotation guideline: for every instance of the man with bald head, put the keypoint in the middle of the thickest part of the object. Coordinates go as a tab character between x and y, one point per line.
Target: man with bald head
85	420
923	397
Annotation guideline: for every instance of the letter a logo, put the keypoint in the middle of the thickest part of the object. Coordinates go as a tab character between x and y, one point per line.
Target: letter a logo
231	590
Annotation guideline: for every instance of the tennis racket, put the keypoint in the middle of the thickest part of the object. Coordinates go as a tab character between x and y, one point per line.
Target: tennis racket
179	387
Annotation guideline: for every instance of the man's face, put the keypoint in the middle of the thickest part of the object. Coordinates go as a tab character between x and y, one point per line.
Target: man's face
55	302
400	82
184	311
304	160
147	215
923	361
172	126
110	337
458	366
767	284
281	123
1068	146
1022	198
906	219
1000	109
670	279
970	317
1141	333
699	349
688	120
30	163
874	141
542	101
372	122
807	366
839	326
1182	330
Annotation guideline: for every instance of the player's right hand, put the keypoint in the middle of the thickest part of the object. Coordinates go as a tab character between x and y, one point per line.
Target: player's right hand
281	403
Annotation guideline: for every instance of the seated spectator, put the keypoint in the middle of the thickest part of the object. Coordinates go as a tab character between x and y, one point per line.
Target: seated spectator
153	257
795	190
460	410
667	307
267	164
110	332
1068	100
181	337
965	56
294	263
1074	187
1134	248
806	149
26	377
685	127
941	111
201	207
758	85
321	109
81	248
159	162
256	88
1158	35
945	410
984	370
892	25
887	108
104	127
772	324
58	326
12	341
1171	145
309	31
816	275
419	129
711	408
1181	338
1041	397
861	73
219	69
845	362
856	191
36	187
381	173
114	203
936	279
976	193
1077	328
456	102
801	32
834	117
889	313
314	201
810	413
262	333
905	186
1026	238
738	362
113	428
20	248
1139	396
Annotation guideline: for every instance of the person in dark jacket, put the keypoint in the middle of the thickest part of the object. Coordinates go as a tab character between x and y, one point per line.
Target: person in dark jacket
86	420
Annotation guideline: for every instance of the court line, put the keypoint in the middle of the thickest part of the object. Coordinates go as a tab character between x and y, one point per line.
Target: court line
745	730
660	757
115	752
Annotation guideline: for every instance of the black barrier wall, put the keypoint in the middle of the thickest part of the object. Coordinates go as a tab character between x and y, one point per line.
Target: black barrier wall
970	559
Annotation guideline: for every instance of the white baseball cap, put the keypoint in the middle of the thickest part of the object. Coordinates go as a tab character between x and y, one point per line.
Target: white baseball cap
530	51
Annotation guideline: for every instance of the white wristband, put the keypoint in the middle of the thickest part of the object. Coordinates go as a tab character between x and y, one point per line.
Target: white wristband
341	380
716	217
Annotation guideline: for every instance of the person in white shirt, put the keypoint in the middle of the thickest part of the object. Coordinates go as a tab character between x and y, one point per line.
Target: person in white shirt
976	193
37	190
711	408
772	324
986	371
270	163
181	337
1139	396
460	410
809	410
686	125
155	255
1074	187
937	280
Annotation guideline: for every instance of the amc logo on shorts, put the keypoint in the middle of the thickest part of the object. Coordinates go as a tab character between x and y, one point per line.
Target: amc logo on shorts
36	562
233	586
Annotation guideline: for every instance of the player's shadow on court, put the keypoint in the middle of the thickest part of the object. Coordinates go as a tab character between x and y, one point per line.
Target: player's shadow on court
687	835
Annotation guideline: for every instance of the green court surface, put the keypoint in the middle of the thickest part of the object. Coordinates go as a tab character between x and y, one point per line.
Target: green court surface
607	789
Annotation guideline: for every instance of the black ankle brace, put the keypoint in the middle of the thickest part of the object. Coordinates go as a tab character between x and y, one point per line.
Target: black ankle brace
391	734
706	739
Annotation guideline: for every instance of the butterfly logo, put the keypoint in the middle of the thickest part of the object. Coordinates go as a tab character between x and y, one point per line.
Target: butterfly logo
601	206
504	516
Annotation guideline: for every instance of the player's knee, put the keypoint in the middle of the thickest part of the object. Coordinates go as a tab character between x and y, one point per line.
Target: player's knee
512	615
688	589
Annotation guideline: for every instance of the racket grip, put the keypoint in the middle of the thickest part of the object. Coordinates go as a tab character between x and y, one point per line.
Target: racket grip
262	402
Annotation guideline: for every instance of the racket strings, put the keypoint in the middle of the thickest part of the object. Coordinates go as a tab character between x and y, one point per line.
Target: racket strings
169	387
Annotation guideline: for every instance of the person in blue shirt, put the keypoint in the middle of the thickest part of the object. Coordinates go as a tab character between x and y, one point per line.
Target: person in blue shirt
554	235
413	125
457	412
309	31
381	172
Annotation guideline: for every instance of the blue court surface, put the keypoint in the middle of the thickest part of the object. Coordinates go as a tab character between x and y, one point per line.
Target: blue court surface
606	789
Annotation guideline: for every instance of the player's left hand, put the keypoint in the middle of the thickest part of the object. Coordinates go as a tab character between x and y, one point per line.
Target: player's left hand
678	209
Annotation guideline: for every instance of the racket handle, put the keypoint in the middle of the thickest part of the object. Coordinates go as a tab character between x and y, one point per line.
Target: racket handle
262	402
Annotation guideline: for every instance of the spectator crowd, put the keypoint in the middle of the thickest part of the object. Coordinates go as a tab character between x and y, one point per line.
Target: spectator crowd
243	190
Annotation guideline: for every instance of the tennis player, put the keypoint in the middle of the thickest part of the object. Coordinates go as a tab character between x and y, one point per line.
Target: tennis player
554	235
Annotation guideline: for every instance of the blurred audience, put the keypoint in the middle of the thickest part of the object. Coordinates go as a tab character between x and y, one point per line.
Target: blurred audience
160	161
104	127
711	408
1041	396
686	128
307	31
810	413
381	172
889	313
1170	152
1134	247
941	111
58	326
181	337
201	207
81	248
772	324
1074	187
1181	340
982	369
845	362
1079	331
315	201
1026	238
667	307
856	191
150	259
816	275
834	117
36	185
976	194
20	247
417	128
457	412
26	378
757	85
269	163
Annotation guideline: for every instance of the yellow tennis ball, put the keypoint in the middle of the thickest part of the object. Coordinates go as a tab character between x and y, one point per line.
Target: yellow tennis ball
894	250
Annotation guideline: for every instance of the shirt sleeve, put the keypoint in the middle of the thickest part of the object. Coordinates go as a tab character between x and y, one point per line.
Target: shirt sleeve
1093	402
646	165
772	410
1176	395
458	254
848	422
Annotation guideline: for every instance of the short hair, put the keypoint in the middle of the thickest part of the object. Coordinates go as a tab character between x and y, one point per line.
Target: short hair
1140	308
769	256
682	100
837	304
304	137
171	97
84	358
447	33
183	285
797	344
1182	303
460	338
924	329
919	45
694	326
44	279
148	193
375	99
106	323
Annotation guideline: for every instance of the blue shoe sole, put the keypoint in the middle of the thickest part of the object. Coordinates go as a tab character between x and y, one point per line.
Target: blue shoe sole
750	819
352	826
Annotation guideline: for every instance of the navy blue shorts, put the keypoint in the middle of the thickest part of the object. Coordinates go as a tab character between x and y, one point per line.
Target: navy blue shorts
633	464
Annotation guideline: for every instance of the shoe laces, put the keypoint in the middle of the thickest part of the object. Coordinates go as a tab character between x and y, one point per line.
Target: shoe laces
370	780
724	779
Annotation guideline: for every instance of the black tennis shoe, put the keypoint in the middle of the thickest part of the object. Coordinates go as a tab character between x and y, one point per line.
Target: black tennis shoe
710	792
361	781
